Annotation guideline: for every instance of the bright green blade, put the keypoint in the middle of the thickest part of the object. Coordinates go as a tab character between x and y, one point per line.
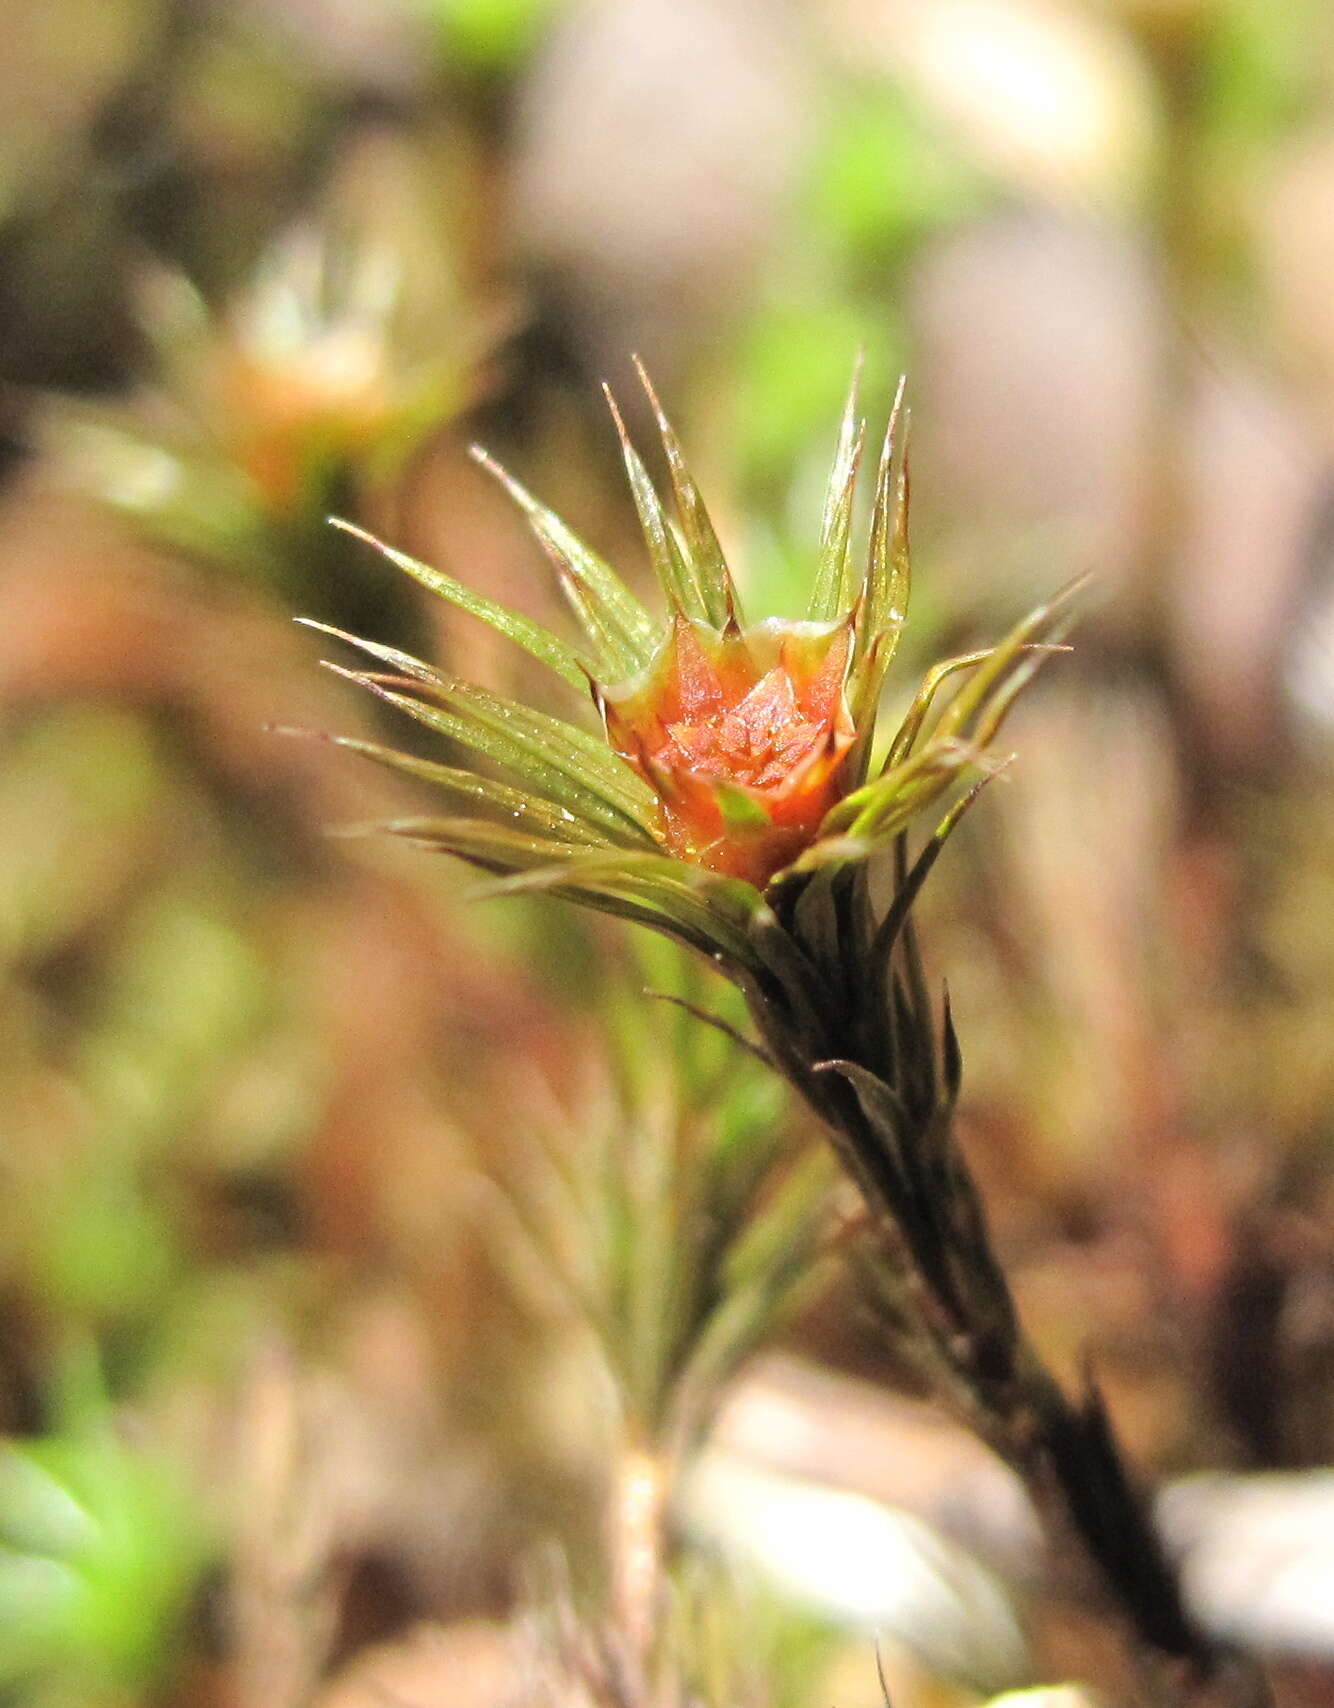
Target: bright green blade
887	932
675	576
932	682
648	889
716	908
403	662
496	846
1032	657
711	573
581	756
606	770
830	595
531	636
541	816
618	625
611	771
885	593
545	759
904	788
1024	648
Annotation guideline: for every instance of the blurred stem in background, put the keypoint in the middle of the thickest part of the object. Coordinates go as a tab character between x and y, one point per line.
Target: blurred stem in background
680	1218
308	392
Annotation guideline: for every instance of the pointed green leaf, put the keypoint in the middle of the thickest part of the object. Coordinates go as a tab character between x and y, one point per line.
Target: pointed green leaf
681	893
617	624
531	636
675	576
649	889
1025	648
606	770
617	661
533	865
546	761
829	596
729	899
494	846
39	1514
403	662
567	740
472	789
738	1040
884	1163
909	784
910	728
614	777
885	593
712	575
883	809
617	906
1029	661
906	894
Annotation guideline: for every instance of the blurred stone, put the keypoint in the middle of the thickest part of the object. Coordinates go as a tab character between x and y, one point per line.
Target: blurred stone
1293	214
1258	1557
1083	869
862	1565
1037	348
1308	666
383	48
62	60
803	1422
1050	97
657	143
1257	1552
1292	210
468	1665
1043	400
1252	483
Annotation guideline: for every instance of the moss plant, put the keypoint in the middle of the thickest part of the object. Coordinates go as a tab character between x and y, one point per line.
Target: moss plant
738	798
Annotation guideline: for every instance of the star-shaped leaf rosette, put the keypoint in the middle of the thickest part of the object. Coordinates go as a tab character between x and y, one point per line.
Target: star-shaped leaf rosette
734	762
738	797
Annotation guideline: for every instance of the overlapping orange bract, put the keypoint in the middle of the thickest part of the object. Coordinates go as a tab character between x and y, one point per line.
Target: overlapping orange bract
742	735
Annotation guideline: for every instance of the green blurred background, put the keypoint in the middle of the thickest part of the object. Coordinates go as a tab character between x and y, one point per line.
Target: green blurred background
276	1402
